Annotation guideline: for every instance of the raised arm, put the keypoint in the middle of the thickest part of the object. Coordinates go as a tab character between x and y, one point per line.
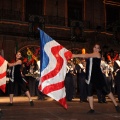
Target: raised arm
15	63
87	55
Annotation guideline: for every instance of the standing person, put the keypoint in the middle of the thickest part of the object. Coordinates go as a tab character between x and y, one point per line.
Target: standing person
94	77
69	82
80	69
16	76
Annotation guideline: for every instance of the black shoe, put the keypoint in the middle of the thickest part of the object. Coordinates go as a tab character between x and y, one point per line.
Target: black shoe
31	103
117	108
10	104
91	111
100	102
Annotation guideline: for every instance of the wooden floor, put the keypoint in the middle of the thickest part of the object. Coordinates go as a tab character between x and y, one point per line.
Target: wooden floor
51	110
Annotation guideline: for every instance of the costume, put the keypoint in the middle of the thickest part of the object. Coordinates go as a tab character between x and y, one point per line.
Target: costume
16	77
94	76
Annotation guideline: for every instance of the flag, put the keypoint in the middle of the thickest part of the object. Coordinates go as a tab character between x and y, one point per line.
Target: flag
53	59
3	68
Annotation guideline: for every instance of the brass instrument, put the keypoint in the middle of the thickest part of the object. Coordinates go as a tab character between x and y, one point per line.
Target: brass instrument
36	75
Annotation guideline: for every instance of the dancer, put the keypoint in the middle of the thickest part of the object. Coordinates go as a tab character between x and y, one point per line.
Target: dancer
16	76
94	77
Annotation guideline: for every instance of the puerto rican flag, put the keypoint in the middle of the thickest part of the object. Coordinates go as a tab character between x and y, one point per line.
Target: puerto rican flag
3	68
53	59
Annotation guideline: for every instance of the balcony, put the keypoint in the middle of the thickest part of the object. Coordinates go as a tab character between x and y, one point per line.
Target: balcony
11	23
12	15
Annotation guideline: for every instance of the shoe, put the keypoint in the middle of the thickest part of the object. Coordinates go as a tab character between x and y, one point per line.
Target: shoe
117	108
100	102
31	103
10	104
91	111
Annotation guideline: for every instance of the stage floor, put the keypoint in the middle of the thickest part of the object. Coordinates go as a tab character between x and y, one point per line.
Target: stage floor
49	109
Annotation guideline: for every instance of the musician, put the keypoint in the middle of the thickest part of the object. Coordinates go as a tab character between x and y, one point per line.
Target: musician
32	68
69	84
110	78
31	77
80	69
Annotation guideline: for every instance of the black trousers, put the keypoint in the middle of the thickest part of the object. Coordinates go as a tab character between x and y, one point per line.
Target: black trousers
69	87
82	87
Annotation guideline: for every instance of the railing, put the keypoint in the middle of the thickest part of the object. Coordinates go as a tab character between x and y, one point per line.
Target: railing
48	20
10	15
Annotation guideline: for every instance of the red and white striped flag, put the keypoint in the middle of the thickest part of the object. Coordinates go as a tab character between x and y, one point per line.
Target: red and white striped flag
53	59
3	68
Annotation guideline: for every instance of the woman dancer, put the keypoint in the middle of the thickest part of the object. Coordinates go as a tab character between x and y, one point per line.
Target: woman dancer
16	76
94	77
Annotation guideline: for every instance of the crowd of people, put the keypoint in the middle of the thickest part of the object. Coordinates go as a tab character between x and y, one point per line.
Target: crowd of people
76	75
86	75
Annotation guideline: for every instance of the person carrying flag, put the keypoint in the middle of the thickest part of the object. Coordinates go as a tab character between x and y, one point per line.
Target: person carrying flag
15	75
95	78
